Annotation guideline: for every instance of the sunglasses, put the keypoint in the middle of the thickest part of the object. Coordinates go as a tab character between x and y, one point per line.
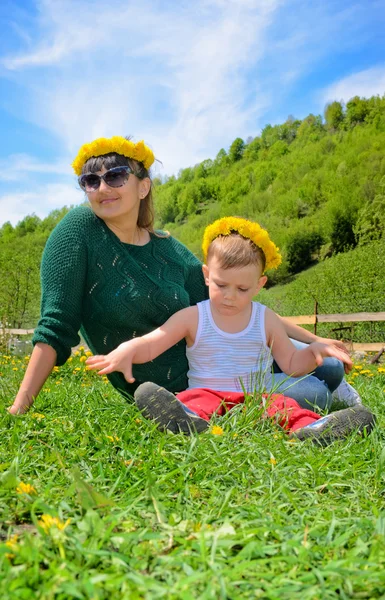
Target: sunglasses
116	177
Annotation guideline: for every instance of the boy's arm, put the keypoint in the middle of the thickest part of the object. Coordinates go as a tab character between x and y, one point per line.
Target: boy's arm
182	324
297	362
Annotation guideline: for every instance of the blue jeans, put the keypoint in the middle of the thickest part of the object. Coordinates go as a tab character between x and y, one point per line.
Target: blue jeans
309	390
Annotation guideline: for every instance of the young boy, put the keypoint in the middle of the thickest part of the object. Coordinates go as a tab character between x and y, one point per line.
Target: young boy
231	343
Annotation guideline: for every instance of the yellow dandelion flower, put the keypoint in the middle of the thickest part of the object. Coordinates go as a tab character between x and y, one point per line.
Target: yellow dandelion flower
25	488
37	416
76	369
273	460
76	353
83	359
55	369
47	523
12	544
81	348
47	390
113	438
88	353
216	430
15	369
70	359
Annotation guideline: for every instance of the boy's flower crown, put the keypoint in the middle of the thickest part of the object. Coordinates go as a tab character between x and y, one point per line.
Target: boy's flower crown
246	229
118	144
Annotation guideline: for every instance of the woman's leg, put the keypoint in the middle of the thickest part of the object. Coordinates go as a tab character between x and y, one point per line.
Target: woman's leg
308	391
331	372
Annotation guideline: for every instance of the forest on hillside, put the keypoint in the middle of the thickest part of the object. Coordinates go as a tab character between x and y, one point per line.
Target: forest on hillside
316	184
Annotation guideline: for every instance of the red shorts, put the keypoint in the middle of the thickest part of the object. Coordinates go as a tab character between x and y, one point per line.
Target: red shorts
287	411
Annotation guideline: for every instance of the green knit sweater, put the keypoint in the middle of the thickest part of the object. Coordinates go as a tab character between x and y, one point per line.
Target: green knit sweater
112	292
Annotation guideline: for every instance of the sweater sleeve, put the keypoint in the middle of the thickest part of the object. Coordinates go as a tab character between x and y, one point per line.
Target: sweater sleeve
63	279
194	281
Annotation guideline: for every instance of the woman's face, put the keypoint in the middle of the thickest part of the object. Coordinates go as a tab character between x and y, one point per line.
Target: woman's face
121	203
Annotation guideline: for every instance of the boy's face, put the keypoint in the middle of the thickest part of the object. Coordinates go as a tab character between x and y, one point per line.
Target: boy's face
232	290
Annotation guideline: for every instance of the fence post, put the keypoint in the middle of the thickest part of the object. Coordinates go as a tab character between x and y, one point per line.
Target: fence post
315	316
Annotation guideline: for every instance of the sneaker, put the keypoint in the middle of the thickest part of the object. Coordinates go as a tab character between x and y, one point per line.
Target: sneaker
337	425
346	394
160	405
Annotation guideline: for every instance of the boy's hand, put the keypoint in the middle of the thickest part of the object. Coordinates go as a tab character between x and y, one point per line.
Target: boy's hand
119	359
321	350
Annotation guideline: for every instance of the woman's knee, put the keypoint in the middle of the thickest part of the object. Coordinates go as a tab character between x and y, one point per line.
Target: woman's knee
331	372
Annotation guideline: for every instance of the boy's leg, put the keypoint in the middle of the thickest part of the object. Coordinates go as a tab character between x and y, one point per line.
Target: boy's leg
290	414
187	411
159	405
304	424
205	402
338	425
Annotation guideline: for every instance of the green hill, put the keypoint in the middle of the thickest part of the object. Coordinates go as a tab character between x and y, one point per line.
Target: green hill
317	185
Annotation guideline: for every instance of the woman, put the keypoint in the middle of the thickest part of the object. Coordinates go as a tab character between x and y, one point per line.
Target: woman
107	273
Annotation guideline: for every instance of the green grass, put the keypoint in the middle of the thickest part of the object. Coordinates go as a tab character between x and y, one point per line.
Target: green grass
245	514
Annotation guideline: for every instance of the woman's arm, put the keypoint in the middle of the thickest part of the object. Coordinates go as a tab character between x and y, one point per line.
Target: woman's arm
43	359
303	335
296	362
63	273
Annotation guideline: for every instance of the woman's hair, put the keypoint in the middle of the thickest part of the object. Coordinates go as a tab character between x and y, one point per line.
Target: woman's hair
235	251
111	160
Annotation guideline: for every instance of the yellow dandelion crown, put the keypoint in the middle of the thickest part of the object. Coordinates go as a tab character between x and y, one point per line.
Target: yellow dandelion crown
118	144
248	230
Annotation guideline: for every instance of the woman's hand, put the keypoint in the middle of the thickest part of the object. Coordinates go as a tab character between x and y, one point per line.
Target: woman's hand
120	359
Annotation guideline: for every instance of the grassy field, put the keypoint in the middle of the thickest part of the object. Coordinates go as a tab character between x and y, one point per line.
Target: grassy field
96	504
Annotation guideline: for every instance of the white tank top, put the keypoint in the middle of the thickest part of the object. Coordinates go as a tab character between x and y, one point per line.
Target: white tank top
230	362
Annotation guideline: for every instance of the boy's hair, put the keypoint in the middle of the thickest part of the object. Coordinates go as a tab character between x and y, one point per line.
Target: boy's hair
235	251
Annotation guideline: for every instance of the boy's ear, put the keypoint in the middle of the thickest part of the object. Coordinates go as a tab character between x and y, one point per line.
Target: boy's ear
205	271
261	283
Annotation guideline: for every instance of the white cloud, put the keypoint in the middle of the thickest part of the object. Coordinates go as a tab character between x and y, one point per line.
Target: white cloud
16	166
15	206
175	76
365	84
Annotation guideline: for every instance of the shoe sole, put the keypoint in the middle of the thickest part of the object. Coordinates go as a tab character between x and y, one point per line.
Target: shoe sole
159	405
338	426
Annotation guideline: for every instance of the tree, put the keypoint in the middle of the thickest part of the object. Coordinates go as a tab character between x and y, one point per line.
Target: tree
356	110
300	249
237	149
370	224
334	115
342	234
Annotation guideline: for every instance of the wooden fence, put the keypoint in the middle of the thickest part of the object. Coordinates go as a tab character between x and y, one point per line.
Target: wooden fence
313	319
360	317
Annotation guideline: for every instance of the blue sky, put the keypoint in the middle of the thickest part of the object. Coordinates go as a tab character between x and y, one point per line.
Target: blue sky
187	77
